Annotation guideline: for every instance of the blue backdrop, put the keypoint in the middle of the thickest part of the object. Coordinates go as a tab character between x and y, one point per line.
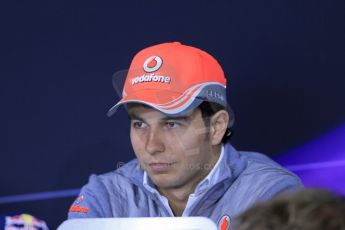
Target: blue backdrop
284	60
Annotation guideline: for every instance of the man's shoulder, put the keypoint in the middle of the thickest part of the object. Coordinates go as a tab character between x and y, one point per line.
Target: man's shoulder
255	177
256	171
259	160
262	164
98	197
266	176
124	173
118	181
247	163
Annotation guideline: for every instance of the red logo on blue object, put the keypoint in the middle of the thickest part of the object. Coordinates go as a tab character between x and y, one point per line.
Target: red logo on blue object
224	223
79	199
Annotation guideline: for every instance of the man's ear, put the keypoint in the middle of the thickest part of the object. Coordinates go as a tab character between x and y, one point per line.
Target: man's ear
218	125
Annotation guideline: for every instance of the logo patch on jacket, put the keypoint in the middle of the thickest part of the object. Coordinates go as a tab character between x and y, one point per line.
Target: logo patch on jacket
79	199
224	223
76	207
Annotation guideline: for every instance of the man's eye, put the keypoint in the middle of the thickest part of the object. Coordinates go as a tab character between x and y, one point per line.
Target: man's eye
172	124
138	124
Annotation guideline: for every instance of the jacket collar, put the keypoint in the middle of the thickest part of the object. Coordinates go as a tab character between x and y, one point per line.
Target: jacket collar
230	165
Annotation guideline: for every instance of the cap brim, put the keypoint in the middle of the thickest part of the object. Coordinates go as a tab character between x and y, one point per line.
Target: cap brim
170	113
177	107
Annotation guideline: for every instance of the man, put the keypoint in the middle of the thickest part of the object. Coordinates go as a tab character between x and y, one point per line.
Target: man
180	120
306	209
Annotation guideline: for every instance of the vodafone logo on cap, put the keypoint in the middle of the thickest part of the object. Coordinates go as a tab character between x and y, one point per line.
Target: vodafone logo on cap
152	64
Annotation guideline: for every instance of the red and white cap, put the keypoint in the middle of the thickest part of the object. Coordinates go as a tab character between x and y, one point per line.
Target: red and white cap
171	78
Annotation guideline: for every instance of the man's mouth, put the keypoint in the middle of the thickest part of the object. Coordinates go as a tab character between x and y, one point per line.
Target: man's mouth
160	167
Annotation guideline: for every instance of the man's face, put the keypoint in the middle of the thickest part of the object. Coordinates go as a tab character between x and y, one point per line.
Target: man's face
175	152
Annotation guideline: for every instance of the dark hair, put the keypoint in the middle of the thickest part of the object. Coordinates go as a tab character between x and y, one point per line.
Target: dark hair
307	209
208	109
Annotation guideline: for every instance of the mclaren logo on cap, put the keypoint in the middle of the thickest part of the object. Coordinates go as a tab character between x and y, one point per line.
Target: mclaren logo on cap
152	64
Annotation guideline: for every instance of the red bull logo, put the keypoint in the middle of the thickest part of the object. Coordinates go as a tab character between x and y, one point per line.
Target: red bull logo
24	222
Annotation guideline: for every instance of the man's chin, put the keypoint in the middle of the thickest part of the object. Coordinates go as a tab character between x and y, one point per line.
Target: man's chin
162	181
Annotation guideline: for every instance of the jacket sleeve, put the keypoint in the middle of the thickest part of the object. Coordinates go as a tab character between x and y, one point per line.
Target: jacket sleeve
261	183
266	179
92	202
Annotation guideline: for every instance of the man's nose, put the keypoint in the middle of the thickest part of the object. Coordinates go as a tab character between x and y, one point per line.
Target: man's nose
154	142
